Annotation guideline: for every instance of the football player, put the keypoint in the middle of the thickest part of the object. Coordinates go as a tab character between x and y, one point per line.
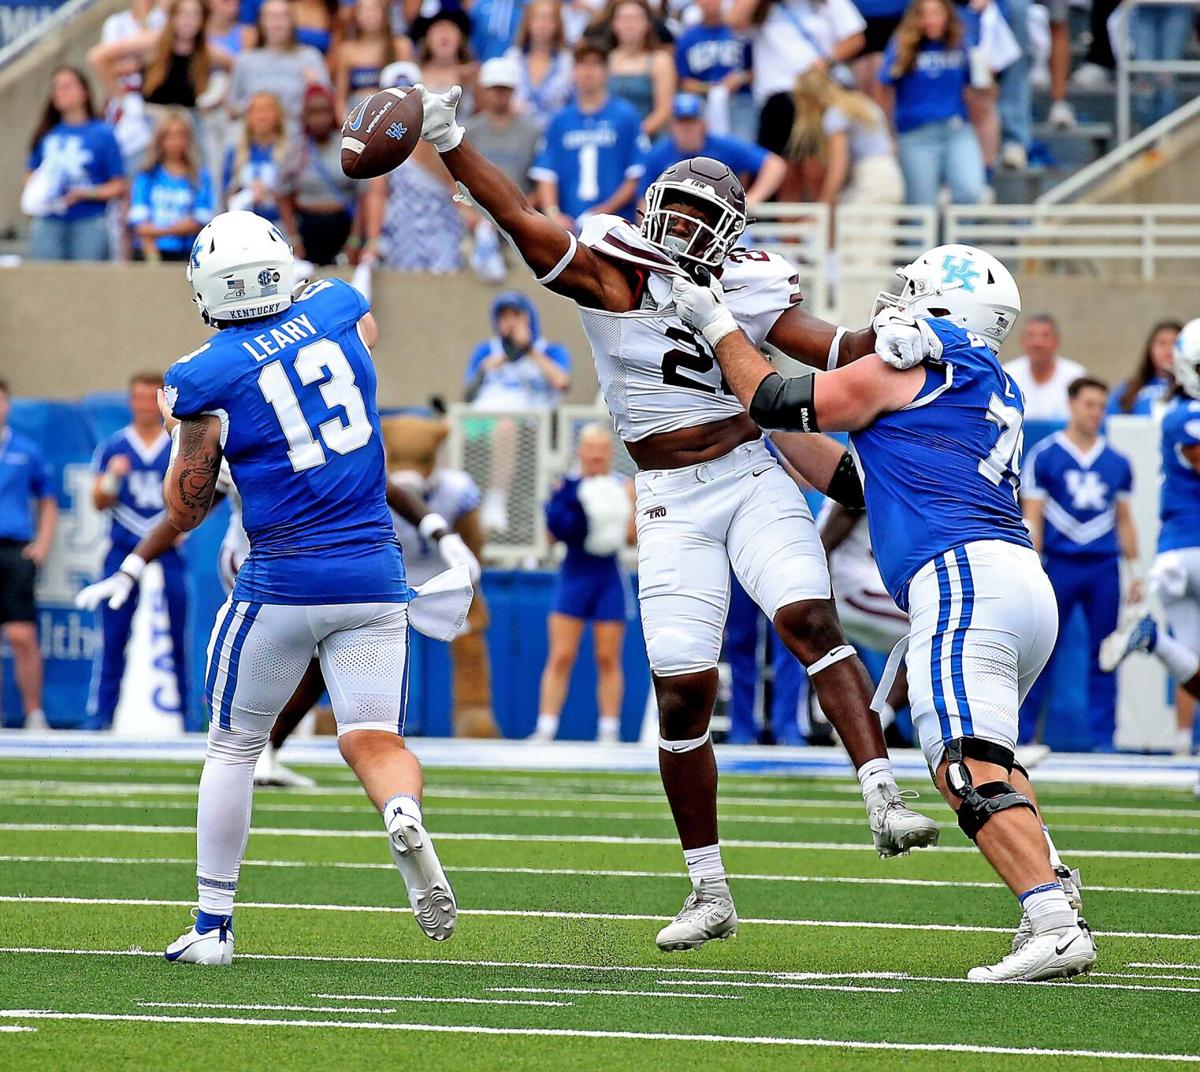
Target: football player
940	446
285	390
709	493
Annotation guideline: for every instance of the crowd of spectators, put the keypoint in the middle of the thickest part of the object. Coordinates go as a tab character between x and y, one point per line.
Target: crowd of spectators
880	101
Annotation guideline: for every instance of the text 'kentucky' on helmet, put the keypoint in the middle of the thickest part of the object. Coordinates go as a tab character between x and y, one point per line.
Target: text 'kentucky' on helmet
241	268
695	211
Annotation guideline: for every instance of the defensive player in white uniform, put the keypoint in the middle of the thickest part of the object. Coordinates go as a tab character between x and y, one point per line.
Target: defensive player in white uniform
940	447
709	493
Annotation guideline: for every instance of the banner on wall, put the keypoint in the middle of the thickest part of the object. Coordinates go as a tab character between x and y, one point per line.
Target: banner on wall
19	17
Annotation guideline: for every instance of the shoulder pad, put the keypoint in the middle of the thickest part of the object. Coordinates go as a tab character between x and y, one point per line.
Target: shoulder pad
752	269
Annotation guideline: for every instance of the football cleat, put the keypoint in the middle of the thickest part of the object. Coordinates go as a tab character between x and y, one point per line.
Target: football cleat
895	827
213	946
429	891
1137	634
708	913
269	771
1053	955
1072	886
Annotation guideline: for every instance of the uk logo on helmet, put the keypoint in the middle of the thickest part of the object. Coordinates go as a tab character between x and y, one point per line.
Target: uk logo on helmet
959	270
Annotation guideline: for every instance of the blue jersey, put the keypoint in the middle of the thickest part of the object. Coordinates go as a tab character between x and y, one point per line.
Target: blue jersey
934	90
1147	397
139	506
24	481
1080	492
163	199
296	396
741	157
944	471
589	154
83	155
1179	504
710	53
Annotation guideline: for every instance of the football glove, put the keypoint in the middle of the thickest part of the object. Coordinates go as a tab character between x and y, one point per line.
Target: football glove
114	590
899	340
703	308
440	126
451	547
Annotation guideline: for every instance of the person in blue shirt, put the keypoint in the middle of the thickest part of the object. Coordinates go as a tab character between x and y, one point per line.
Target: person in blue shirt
709	55
173	198
939	443
1154	377
128	469
1076	503
75	170
28	515
589	161
591	513
285	392
261	166
927	68
494	25
761	171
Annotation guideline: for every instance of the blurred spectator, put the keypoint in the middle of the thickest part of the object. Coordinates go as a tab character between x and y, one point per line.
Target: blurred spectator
1154	377
1016	89
882	19
788	37
1099	61
280	65
1076	502
761	172
848	133
1161	32
324	200
494	25
991	49
507	139
926	66
222	28
28	515
714	62
640	70
173	198
359	60
140	16
1061	114
591	512
1041	372
579	17
543	60
590	158
75	170
315	22
260	168
445	56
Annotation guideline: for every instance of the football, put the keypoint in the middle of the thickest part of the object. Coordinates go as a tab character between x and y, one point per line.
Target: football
381	132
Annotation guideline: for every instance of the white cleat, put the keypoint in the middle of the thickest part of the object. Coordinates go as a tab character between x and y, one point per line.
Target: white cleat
269	771
1072	886
429	891
1139	632
708	913
896	828
1054	955
211	947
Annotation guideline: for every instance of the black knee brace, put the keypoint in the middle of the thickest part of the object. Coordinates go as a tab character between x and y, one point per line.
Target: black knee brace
980	803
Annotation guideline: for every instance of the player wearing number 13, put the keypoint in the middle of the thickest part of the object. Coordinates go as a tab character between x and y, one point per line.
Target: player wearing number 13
286	392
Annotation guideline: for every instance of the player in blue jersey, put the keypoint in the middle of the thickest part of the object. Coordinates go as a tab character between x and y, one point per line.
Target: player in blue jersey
285	390
129	468
940	448
1076	501
590	157
1175	576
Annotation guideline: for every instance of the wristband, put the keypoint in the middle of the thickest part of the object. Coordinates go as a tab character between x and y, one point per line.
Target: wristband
433	527
722	324
132	566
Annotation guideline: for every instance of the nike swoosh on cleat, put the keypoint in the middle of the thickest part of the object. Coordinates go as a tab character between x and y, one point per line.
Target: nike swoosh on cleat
1060	951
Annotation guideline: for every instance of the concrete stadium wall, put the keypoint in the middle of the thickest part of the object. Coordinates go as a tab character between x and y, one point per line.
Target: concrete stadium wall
71	329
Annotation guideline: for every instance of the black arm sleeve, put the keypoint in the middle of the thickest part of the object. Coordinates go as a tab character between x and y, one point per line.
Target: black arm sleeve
784	405
845	486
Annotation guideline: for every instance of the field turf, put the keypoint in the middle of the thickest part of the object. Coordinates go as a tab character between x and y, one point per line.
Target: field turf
841	961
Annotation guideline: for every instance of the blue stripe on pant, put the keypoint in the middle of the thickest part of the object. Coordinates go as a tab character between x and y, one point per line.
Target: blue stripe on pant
235	658
935	649
967	584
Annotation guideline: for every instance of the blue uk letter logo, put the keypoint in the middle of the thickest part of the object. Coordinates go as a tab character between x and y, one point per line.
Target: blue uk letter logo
959	271
397	131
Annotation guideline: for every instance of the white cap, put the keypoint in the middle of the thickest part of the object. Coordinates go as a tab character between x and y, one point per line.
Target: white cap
400	73
501	71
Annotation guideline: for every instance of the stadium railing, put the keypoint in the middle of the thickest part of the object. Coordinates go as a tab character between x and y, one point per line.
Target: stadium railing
1128	66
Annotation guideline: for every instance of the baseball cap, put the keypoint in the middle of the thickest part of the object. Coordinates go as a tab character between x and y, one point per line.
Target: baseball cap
400	73
688	106
500	71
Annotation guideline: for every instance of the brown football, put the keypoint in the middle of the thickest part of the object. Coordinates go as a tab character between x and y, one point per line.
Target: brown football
381	132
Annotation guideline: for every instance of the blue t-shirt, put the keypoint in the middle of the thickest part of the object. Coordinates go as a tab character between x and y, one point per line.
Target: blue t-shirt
24	479
934	91
1147	397
589	155
494	25
1179	502
944	471
1080	493
163	200
260	166
139	506
709	53
83	155
741	157
296	395
881	9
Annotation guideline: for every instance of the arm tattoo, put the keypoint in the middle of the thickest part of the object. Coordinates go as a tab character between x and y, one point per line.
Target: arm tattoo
196	471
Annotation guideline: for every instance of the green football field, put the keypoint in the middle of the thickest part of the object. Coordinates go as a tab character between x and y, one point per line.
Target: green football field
841	960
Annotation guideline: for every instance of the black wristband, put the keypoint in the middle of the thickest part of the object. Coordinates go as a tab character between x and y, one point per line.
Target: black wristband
845	486
784	405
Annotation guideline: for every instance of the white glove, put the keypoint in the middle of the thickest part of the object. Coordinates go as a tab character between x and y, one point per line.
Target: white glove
703	309
113	590
452	549
899	340
441	127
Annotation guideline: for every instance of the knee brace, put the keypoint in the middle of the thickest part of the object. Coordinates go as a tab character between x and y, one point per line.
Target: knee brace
674	652
684	746
980	803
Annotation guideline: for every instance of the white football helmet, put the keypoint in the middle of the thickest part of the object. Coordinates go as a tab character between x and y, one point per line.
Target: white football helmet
961	284
241	268
1186	358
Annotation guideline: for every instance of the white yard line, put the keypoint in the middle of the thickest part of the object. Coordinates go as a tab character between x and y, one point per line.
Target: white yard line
1145	975
1157	964
787	985
258	1008
441	1000
610	993
522	913
637	1036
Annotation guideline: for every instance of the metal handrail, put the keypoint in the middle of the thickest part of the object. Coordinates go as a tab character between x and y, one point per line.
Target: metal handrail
55	21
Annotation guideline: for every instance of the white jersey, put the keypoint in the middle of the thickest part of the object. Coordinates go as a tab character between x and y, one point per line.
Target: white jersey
658	375
449	492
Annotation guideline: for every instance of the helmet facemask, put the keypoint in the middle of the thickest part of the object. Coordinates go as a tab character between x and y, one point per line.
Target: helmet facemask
704	239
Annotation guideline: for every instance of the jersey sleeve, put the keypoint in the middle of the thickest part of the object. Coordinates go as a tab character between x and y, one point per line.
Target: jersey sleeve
1124	488
193	385
335	301
759	290
139	199
1187	431
103	455
559	354
112	162
40	486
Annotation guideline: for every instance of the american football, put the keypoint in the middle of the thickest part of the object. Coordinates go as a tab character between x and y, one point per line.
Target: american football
381	133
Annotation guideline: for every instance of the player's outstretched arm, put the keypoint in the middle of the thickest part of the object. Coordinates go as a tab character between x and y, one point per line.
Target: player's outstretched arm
896	338
114	589
191	481
433	527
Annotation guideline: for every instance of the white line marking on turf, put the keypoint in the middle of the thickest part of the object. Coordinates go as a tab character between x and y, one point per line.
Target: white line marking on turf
1145	975
580	839
523	913
12	1029
639	1036
257	1008
583	872
610	993
1157	964
787	985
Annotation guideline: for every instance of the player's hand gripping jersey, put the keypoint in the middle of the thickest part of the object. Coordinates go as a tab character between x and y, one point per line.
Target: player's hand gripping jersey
314	505
657	374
